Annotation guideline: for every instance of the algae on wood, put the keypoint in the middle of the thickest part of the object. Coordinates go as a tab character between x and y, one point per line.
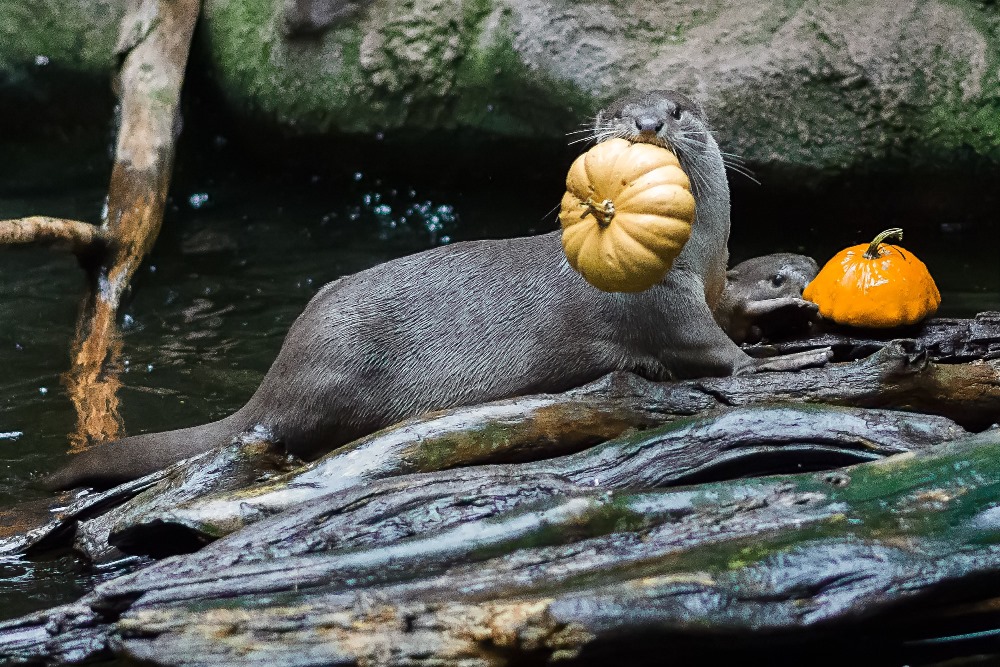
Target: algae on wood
870	553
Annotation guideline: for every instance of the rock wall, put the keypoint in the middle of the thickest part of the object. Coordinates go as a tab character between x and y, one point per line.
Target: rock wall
821	84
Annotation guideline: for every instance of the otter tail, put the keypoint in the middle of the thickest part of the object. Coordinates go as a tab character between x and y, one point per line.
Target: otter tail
118	461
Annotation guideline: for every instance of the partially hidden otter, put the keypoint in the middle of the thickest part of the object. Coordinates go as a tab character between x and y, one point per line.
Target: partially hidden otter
763	297
479	321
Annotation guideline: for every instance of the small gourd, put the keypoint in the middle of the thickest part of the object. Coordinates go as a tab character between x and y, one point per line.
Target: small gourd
626	214
877	285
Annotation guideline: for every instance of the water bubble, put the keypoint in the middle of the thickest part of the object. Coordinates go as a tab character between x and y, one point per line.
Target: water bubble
358	176
198	199
43	390
149	368
11	435
41	61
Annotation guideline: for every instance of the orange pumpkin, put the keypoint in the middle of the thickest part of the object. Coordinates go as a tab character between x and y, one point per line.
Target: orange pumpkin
626	214
875	286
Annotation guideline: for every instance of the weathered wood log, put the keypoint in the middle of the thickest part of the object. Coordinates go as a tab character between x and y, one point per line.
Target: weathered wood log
898	376
719	445
37	526
220	470
545	426
944	339
581	577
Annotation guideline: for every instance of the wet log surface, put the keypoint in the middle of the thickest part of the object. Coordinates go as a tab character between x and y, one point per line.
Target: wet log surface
876	552
722	444
946	340
899	376
414	545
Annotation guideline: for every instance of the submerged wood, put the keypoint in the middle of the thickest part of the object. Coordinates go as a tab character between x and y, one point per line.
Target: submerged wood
867	552
899	376
153	45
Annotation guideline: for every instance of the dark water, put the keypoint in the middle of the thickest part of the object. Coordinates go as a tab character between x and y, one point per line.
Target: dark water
240	256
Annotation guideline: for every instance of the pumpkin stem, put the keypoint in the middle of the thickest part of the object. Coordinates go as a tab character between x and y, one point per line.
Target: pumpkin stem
603	212
872	252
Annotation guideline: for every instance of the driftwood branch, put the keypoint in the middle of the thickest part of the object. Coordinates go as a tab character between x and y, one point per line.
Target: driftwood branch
153	46
81	238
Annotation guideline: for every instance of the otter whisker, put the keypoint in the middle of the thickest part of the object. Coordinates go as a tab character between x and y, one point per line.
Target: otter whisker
740	168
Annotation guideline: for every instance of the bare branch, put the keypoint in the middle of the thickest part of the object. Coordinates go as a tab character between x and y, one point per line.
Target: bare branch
79	237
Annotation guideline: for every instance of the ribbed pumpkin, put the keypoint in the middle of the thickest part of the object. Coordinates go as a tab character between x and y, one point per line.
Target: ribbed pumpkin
626	214
875	285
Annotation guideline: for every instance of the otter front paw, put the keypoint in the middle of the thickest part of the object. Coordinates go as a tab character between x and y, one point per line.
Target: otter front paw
795	361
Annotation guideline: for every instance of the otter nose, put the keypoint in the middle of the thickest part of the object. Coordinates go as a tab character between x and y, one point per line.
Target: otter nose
648	124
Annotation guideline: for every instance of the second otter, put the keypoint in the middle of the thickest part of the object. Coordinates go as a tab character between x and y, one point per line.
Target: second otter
479	321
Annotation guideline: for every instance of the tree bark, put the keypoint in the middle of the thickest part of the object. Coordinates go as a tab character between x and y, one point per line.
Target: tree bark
862	557
899	376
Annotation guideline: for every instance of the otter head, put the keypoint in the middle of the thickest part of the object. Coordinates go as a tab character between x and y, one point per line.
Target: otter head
772	276
665	118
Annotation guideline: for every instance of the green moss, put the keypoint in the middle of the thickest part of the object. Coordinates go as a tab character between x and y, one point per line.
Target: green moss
953	122
76	35
420	69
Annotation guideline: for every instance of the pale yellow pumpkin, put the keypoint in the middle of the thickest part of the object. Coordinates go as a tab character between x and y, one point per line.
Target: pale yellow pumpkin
626	214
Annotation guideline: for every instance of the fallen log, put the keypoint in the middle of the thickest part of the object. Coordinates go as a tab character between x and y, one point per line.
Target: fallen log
899	376
945	339
719	445
809	559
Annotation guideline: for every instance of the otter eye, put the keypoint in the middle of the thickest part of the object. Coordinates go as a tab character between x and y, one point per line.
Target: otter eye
676	113
778	280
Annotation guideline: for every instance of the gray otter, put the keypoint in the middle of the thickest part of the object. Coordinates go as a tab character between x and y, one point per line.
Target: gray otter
479	321
763	296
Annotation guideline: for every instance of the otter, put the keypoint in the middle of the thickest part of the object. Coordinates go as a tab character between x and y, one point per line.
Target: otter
479	321
763	297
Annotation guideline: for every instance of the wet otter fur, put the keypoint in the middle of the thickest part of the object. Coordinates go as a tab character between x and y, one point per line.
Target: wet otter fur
479	321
